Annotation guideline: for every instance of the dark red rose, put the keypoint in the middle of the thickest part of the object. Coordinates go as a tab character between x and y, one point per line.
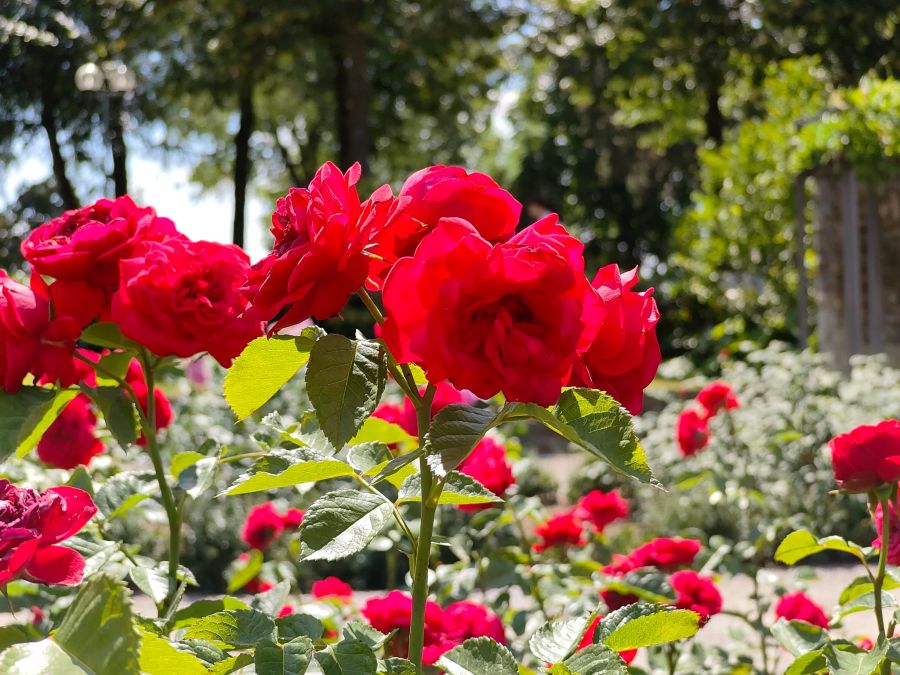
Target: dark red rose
70	440
466	619
798	606
588	639
81	250
320	254
32	523
506	318
489	466
182	298
262	527
292	518
331	587
32	342
696	593
164	415
666	553
562	530
624	356
256	586
692	432
893	553
867	457
443	192
394	612
717	396
601	508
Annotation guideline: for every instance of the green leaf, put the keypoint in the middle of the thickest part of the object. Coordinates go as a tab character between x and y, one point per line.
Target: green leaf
232	664
342	523
595	660
347	657
644	625
115	363
98	628
118	411
183	460
377	430
36	658
311	469
366	457
264	367
798	637
201	608
291	659
160	657
863	602
597	423
109	335
246	573
455	430
27	414
862	585
841	662
396	666
18	633
556	640
120	493
363	632
810	663
296	625
801	544
198	477
397	469
478	656
344	381
152	582
271	601
233	629
650	586
458	489
81	479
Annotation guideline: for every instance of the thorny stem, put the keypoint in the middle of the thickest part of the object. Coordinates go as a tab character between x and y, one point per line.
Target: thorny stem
402	373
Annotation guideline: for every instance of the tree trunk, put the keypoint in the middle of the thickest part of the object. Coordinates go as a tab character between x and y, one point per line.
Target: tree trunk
713	118
242	160
117	145
351	87
48	121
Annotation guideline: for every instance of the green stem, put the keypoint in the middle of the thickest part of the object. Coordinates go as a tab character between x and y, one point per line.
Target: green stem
431	492
882	561
402	374
532	577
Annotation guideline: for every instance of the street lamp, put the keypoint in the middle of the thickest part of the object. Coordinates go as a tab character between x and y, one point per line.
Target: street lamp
112	81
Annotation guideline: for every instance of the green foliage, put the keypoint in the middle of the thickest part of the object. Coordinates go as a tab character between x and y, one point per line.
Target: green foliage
26	415
293	626
342	523
556	640
592	660
160	657
643	625
478	656
291	658
347	657
284	471
232	629
118	412
455	430
802	544
459	489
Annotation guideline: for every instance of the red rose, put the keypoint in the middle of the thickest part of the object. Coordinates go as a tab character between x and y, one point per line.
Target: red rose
256	585
394	611
800	607
331	587
70	440
665	553
262	527
404	416
135	378
31	523
319	257
488	465
292	518
588	639
466	619
867	457
601	508
717	396
692	432
81	250
443	192
696	593
32	342
506	318
286	610
865	644
560	530
624	356
893	554
182	298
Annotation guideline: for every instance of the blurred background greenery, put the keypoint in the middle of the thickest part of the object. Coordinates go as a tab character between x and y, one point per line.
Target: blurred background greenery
668	134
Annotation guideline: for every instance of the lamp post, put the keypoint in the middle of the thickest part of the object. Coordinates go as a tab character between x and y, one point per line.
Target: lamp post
112	81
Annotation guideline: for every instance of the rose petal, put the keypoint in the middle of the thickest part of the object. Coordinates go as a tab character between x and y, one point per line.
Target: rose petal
56	565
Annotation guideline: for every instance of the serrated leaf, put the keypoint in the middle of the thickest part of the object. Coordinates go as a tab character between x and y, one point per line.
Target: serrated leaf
798	637
595	660
396	666
271	601
863	602
109	335
597	423
478	656
264	367
364	457
18	633
556	640
160	657
810	663
344	381
294	473
233	628
644	625
801	544
246	572
183	460
377	430
862	585
397	468
841	662
347	657
459	489
454	432
292	658
154	583
45	656
296	625
27	414
115	363
232	664
363	632
98	628
201	608
341	523
649	586
198	477
120	493
118	412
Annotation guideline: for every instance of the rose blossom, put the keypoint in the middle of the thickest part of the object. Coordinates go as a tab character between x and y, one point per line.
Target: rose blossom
331	587
292	518
182	298
466	619
893	552
666	553
588	639
717	396
286	610
32	523
404	416
692	432
493	318
443	192
563	529
867	457
319	256
624	356
798	606
262	527
488	465
601	508
70	440
394	611
81	250
696	593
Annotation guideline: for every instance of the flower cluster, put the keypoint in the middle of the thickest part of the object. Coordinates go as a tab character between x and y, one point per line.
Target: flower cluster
331	587
692	426
867	457
265	524
445	628
596	509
